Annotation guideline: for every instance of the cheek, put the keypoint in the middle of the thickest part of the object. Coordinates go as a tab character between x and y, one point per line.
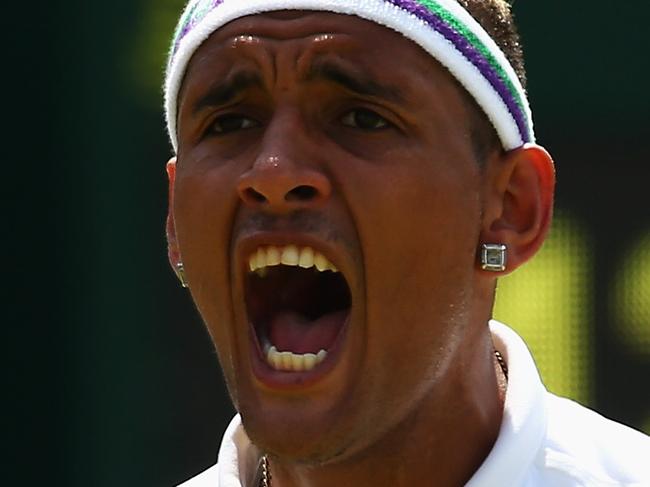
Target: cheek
419	227
203	214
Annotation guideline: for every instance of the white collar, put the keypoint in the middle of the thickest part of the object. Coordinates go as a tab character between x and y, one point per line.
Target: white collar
523	427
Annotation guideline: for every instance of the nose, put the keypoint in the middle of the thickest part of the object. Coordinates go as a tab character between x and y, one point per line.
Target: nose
281	183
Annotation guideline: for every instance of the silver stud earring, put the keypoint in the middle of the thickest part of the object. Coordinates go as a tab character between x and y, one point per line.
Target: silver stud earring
180	273
493	257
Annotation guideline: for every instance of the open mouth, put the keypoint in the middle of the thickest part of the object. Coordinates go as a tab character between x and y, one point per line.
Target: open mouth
298	304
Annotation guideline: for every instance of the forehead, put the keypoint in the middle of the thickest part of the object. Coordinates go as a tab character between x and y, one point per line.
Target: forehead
303	36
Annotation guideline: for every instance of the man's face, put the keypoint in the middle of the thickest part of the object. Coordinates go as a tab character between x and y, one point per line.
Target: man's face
332	133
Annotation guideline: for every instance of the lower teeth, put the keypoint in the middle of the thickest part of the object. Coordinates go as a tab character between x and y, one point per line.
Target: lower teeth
289	361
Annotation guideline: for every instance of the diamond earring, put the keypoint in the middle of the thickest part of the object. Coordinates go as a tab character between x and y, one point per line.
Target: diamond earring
493	257
180	273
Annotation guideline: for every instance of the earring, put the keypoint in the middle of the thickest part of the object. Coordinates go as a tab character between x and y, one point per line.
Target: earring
493	257
180	273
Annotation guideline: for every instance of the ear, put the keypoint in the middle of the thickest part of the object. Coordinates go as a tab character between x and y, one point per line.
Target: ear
173	251
518	203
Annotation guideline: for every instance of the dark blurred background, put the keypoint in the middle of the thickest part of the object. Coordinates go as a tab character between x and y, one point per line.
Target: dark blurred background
112	380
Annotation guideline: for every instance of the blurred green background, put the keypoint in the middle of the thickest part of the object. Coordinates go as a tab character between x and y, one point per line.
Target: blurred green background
113	381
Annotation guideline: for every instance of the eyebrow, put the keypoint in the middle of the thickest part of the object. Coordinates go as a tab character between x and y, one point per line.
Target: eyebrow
352	80
226	90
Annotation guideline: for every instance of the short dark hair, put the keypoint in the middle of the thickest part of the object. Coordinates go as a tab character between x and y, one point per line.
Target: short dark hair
496	17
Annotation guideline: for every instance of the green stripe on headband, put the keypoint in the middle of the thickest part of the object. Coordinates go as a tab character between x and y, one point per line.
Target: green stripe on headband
476	42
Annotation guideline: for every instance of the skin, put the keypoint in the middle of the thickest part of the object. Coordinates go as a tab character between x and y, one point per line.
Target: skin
397	198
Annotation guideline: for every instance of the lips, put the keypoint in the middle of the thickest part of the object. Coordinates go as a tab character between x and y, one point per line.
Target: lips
298	305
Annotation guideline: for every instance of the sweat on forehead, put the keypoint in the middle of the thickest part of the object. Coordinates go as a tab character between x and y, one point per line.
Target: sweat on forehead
442	28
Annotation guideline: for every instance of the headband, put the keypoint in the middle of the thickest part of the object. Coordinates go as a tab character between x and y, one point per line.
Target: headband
443	28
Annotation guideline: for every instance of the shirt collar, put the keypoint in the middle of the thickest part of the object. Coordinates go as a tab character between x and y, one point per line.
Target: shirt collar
523	426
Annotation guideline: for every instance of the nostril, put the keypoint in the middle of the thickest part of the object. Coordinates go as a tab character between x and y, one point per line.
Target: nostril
254	196
301	193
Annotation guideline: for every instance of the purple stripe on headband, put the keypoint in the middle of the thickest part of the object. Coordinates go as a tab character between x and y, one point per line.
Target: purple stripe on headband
192	22
466	48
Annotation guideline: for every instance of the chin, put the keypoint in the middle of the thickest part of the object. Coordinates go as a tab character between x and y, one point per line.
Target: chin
298	438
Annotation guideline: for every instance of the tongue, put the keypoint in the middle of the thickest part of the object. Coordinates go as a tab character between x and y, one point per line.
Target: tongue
292	332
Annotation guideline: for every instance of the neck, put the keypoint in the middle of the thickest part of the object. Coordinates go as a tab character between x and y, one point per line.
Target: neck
445	439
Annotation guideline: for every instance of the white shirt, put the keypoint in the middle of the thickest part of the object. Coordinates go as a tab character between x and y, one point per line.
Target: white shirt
544	440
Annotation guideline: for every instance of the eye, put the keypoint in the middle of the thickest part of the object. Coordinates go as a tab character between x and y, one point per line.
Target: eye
364	119
226	124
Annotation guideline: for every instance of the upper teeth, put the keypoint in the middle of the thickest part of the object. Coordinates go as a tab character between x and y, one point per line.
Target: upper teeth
305	257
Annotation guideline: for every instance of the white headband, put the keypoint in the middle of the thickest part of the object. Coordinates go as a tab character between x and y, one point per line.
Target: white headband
443	28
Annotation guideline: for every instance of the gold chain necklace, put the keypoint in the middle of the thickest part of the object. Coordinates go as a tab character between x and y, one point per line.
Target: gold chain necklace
265	481
502	363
